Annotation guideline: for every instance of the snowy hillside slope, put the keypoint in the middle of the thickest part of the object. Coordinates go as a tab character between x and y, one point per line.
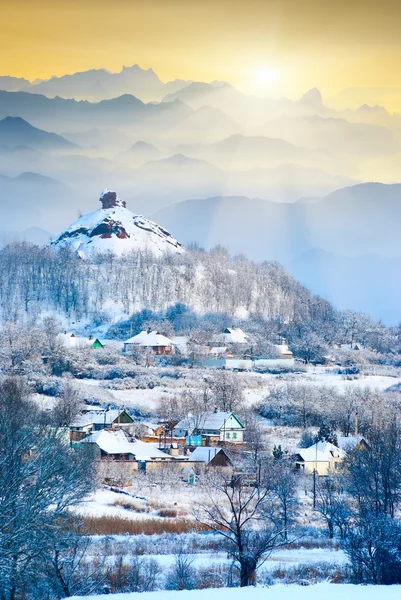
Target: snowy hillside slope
116	229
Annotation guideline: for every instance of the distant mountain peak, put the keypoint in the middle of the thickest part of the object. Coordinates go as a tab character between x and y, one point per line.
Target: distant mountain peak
313	98
15	131
141	145
19	121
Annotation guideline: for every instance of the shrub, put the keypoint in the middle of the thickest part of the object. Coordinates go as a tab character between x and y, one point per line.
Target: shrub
108	525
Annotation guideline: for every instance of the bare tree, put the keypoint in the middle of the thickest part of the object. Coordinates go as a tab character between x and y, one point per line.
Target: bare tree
67	406
374	471
372	546
254	436
227	392
182	575
284	483
74	568
40	480
18	344
332	503
238	506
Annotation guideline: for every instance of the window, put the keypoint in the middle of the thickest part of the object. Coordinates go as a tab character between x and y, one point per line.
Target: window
234	436
228	435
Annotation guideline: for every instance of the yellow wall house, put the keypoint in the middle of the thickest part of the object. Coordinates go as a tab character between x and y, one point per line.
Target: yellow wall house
323	456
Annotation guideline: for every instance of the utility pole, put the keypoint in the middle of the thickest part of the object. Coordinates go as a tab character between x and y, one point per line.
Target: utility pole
314	476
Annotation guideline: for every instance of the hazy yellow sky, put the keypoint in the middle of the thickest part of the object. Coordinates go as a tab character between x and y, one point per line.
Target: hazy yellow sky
277	47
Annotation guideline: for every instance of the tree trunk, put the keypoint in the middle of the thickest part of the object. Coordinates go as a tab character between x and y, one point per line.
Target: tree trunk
247	571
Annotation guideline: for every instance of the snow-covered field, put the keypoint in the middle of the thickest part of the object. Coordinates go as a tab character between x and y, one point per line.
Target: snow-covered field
378	382
321	591
280	558
256	389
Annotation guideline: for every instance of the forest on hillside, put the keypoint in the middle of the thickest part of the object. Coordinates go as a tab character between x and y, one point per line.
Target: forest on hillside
196	291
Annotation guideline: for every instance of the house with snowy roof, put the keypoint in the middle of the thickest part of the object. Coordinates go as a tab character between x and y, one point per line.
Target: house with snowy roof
153	341
210	456
283	351
117	445
70	340
352	442
96	420
234	335
214	427
220	352
180	343
322	457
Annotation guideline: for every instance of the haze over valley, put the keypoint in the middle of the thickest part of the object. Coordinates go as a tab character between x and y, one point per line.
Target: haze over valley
296	181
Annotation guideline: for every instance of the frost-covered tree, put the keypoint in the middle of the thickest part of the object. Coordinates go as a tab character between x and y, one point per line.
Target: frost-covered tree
67	406
238	506
41	478
227	392
374	471
332	503
373	547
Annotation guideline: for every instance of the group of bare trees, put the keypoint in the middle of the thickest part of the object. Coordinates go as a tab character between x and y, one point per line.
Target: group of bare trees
361	503
34	280
252	506
44	278
307	404
41	480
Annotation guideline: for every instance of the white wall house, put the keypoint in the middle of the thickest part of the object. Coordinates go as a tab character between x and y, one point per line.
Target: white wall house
234	335
322	457
151	340
115	443
222	425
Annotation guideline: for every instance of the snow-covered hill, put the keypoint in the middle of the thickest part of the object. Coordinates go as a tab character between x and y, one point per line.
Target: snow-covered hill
114	228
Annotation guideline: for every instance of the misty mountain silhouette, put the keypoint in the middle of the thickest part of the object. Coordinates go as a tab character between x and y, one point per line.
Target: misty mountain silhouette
99	84
357	222
15	131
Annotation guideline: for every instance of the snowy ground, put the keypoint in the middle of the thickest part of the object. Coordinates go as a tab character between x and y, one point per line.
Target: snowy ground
280	558
256	389
326	591
144	502
378	382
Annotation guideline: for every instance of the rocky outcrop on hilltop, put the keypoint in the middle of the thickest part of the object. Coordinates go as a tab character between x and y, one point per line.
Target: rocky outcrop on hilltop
113	228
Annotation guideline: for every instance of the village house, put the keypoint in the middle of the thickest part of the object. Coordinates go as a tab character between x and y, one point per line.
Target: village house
121	456
96	420
214	427
152	341
211	456
220	352
234	335
188	474
322	458
283	351
180	343
352	442
70	340
115	444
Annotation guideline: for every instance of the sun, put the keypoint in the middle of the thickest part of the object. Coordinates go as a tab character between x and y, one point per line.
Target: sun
266	76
